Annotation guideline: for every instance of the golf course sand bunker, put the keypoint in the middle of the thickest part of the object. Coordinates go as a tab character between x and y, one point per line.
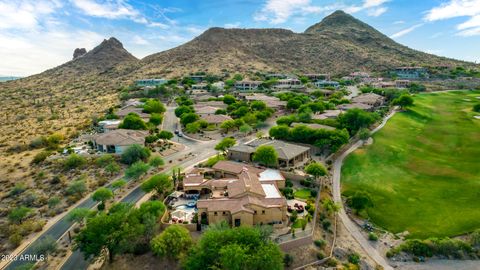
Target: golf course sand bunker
422	171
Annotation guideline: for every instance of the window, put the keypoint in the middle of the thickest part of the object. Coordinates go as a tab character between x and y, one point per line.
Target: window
263	212
224	213
214	213
255	212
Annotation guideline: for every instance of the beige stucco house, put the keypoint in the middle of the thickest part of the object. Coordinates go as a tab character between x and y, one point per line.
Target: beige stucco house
239	194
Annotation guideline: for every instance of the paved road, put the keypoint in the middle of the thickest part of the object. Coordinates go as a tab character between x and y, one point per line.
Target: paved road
351	227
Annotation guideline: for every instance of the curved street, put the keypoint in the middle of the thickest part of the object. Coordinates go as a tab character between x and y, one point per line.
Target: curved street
352	228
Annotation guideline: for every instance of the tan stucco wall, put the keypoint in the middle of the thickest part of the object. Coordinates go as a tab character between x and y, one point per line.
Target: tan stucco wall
240	156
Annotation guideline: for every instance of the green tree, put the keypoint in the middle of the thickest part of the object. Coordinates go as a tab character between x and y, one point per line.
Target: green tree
102	195
165	134
188	118
403	101
192	127
229	99
364	133
124	229
135	153
280	132
266	155
316	169
156	161
182	110
238	77
476	107
228	125
79	215
245	129
221	247
160	183
355	119
258	105
154	106
173	242
136	170
225	143
330	206
294	104
156	119
359	201
18	214
133	121
74	161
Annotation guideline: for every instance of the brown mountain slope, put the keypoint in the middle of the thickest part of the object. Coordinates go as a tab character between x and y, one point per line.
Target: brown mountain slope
62	99
338	44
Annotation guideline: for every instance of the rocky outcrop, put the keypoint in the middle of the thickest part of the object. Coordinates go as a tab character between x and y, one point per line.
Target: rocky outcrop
79	52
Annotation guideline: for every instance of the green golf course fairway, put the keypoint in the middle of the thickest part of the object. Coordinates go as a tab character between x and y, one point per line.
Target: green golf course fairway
422	170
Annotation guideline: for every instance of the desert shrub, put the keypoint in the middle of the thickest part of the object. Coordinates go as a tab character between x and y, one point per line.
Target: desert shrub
135	153
320	243
15	239
354	258
104	160
74	161
136	170
165	134
40	157
45	246
18	189
287	260
372	236
320	255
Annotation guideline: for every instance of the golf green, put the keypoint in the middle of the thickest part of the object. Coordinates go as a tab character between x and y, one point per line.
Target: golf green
422	170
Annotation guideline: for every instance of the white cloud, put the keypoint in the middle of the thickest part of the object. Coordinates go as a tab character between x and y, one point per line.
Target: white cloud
458	8
232	25
279	11
377	11
26	14
159	25
406	31
139	40
374	8
35	52
108	9
399	22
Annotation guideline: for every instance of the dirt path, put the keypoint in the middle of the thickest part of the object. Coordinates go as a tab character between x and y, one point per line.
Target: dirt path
337	197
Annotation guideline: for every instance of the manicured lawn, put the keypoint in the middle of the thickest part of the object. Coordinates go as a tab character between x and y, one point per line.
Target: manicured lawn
423	170
303	193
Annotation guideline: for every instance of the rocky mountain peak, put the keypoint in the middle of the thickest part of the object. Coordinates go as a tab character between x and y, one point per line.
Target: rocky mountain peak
79	52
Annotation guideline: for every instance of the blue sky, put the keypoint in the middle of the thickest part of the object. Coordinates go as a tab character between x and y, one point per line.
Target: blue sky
39	34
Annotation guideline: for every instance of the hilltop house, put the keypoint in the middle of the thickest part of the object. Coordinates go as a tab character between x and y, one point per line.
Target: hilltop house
247	85
411	72
116	141
289	154
239	194
290	83
325	83
197	78
317	76
150	82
